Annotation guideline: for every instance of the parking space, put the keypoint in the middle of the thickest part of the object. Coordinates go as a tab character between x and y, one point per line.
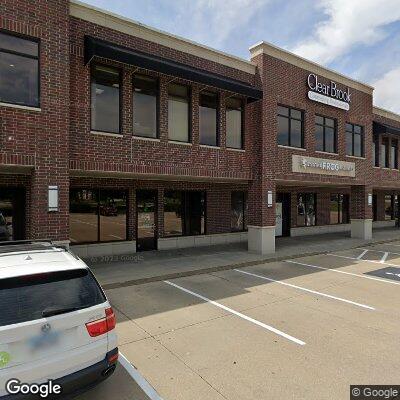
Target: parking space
303	328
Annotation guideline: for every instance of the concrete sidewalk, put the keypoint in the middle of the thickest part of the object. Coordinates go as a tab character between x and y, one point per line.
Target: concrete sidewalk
151	266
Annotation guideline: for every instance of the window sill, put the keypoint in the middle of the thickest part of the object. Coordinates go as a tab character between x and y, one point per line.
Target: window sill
326	152
291	147
21	107
147	139
207	146
233	149
356	157
180	143
100	133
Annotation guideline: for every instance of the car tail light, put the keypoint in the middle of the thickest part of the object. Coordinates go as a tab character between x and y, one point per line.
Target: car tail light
113	358
103	325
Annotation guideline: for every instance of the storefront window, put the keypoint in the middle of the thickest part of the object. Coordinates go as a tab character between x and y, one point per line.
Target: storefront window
209	118
325	134
306	209
178	113
97	215
234	123
290	127
145	106
184	213
238	211
339	209
354	140
105	99
389	209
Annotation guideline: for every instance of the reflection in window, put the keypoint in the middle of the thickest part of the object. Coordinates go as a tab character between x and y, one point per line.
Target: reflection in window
389	209
234	123
208	118
184	213
178	113
290	127
339	209
385	153
97	215
394	154
238	211
306	209
19	70
354	140
325	134
145	105
105	99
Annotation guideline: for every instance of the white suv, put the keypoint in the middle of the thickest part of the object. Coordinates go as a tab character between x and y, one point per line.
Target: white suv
56	325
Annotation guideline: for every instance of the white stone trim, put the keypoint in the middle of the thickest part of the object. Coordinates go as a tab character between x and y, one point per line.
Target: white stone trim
110	134
20	107
125	25
282	146
104	249
318	229
384	224
386	113
180	143
291	58
146	139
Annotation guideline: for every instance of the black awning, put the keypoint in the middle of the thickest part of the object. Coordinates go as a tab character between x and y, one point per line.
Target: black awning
379	128
100	48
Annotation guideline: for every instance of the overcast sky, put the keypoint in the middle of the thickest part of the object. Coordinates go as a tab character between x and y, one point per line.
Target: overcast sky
359	38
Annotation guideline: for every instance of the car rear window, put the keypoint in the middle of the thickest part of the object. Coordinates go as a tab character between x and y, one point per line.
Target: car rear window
25	298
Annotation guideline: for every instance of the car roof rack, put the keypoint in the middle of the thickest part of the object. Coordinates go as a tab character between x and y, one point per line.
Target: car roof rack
19	242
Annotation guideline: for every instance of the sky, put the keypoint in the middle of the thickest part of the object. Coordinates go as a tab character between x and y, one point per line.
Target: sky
358	38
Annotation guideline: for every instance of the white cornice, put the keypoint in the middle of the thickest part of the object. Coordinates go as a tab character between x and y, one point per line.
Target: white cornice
291	58
386	114
134	28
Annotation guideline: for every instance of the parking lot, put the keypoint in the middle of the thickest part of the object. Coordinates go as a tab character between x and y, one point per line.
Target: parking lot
305	328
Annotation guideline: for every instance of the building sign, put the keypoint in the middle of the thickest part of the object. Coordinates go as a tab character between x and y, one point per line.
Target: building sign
312	165
328	94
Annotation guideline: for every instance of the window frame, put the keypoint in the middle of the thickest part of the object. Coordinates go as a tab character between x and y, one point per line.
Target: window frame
190	112
392	206
335	132
352	139
342	202
218	119
157	80
395	162
305	194
289	117
92	67
242	123
385	144
38	58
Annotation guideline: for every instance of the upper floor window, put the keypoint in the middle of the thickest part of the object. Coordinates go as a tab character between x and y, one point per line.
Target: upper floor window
178	113
209	118
375	152
145	106
384	153
325	134
105	99
19	70
290	127
354	140
394	154
234	123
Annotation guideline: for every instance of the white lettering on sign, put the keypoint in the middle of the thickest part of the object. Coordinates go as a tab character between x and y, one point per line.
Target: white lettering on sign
314	165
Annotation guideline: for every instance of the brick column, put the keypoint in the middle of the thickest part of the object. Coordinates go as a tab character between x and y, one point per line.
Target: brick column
361	212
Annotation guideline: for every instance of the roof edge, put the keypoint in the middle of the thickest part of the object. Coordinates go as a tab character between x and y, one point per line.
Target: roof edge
291	58
386	113
131	27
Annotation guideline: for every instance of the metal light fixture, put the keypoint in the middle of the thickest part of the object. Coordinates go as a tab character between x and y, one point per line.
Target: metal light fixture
53	198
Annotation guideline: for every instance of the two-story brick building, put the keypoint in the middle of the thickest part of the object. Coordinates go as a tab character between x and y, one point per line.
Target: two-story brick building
116	137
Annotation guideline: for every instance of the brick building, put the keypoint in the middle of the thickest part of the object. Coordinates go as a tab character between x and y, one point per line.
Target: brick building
116	138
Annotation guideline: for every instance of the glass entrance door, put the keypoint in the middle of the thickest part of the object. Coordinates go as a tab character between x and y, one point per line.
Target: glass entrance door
146	211
12	213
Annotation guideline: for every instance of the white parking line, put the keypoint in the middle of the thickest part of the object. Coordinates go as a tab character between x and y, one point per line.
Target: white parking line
306	290
362	254
138	378
345	272
380	251
384	257
254	321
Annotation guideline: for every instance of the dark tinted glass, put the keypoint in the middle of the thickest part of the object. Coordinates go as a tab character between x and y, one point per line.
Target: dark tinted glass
238	211
394	155
173	213
234	114
296	133
26	298
357	145
18	45
105	99
388	207
178	113
334	209
112	209
208	118
283	131
329	140
319	137
349	143
145	94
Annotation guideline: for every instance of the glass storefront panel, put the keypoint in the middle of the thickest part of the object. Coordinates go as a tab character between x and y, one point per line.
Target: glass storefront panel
173	217
306	209
112	209
238	211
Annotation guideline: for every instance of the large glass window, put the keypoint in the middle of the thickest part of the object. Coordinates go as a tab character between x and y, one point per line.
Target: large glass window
209	118
354	140
97	215
145	106
385	153
19	70
238	211
375	152
339	209
105	99
290	127
184	213
178	113
325	134
234	123
306	209
394	154
389	207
